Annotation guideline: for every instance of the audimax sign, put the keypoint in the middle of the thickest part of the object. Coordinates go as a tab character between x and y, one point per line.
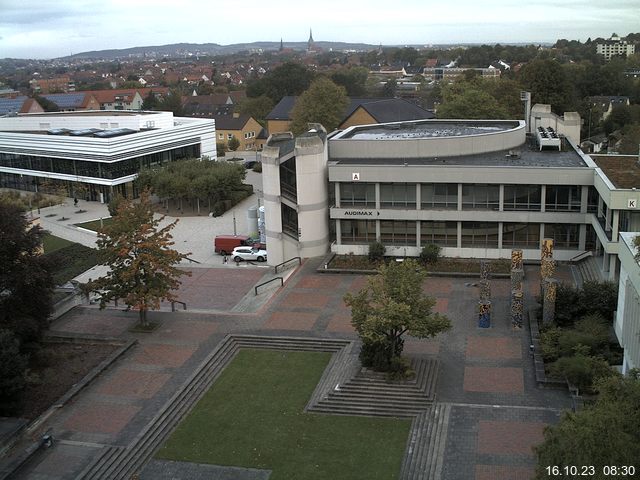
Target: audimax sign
361	213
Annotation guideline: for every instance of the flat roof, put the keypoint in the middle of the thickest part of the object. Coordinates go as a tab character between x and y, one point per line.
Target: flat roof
427	129
622	170
528	155
92	113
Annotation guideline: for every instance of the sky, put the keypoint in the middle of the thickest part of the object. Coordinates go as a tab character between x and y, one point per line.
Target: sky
55	28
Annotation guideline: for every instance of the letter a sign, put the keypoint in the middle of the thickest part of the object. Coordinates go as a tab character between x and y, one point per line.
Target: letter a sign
355	177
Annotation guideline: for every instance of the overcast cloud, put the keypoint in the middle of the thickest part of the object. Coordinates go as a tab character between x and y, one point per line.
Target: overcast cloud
46	29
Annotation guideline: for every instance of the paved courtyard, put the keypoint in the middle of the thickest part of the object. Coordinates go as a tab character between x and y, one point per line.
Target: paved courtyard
486	375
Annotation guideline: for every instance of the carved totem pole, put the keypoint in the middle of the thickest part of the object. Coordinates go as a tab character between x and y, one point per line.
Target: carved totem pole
548	284
484	305
517	296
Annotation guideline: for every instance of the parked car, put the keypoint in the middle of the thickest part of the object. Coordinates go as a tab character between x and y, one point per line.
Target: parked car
247	253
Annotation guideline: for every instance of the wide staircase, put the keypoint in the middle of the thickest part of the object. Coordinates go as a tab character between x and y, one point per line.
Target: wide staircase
588	269
116	462
373	394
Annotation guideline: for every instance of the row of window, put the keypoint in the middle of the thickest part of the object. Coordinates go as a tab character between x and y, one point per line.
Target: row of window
230	135
113	170
474	196
445	234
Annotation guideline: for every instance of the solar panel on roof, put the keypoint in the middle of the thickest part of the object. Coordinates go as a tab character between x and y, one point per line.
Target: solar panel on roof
117	132
58	131
84	132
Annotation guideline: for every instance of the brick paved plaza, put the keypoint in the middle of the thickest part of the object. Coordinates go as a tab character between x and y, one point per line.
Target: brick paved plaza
486	375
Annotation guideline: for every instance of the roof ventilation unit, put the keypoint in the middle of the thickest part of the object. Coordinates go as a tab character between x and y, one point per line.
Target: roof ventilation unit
547	137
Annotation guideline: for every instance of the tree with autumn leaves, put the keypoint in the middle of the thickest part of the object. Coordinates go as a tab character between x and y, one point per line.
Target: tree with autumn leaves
142	265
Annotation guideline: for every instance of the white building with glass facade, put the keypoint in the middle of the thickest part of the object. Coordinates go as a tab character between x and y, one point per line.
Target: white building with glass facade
103	150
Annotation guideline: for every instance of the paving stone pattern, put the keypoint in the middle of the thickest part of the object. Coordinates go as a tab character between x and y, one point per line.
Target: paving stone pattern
492	409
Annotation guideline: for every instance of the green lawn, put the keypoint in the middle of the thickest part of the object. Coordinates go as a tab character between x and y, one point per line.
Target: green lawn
67	259
94	224
51	243
253	417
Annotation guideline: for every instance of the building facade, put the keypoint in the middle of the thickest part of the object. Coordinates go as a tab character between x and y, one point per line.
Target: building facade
614	47
100	152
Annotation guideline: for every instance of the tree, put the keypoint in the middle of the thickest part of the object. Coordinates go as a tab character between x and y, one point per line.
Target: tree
13	366
150	102
389	88
353	79
548	83
392	304
288	79
233	144
172	102
26	285
258	107
142	266
324	102
469	103
606	433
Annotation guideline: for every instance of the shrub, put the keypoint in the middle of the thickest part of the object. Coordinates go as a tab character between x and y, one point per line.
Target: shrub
257	167
13	366
430	254
599	297
567	305
221	149
549	344
582	370
114	203
376	251
376	354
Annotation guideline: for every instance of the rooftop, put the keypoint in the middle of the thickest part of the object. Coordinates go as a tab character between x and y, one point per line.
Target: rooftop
622	170
528	155
430	129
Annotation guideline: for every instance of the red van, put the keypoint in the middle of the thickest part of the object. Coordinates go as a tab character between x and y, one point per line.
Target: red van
224	244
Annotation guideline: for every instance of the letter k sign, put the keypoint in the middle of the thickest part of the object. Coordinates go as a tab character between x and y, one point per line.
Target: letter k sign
632	203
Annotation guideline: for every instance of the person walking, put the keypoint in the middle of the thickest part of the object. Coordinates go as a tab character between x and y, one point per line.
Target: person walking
224	259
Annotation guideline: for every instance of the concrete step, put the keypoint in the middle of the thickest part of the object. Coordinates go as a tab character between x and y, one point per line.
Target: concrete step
367	412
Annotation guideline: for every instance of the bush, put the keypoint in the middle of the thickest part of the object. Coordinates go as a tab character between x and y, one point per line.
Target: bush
430	254
376	251
114	203
549	340
257	167
221	149
13	366
582	370
599	297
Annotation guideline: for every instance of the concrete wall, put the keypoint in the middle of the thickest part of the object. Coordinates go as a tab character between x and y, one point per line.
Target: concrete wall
445	146
272	210
567	125
101	119
313	208
627	320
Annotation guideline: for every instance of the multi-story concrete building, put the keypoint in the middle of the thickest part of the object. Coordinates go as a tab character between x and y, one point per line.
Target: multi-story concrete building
476	188
614	47
102	150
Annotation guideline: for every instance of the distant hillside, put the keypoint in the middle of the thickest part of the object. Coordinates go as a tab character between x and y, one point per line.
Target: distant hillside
187	49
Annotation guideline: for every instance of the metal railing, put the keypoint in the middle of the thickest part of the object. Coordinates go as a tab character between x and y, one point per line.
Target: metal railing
173	305
275	269
267	282
581	256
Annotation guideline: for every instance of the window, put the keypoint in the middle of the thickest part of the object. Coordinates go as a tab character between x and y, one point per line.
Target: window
398	232
592	200
479	235
289	221
439	196
564	236
221	136
444	234
229	136
522	197
477	196
521	235
288	183
358	195
398	195
562	198
358	231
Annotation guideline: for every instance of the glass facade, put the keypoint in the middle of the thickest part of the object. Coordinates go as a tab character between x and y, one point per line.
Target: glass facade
480	197
439	196
562	198
358	231
444	234
358	195
288	182
289	221
520	235
398	232
522	197
108	170
479	235
564	236
398	195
